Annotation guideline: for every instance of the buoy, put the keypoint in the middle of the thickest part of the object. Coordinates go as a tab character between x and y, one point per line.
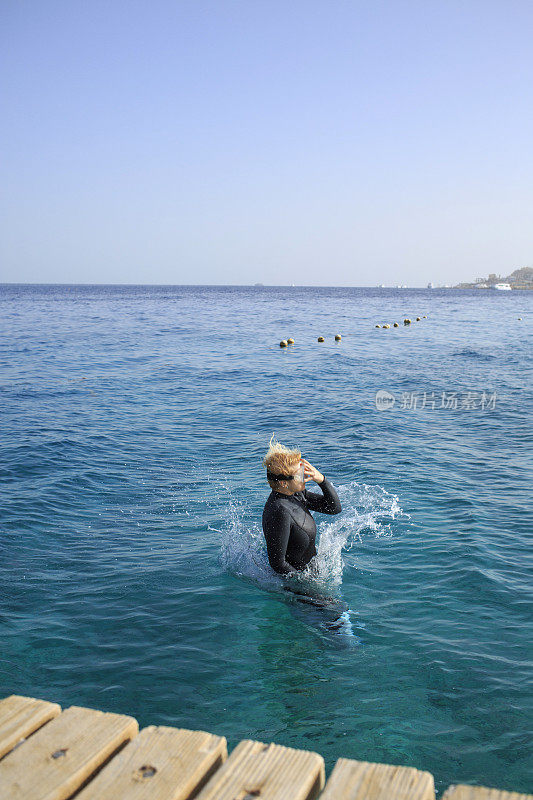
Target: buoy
338	337
425	316
320	338
378	326
418	319
283	343
290	341
395	325
407	322
520	319
386	326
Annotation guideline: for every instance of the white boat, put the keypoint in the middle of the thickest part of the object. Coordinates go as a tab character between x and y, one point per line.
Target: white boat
502	287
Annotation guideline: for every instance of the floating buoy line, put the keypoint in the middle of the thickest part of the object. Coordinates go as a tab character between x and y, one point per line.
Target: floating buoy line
338	337
407	321
289	341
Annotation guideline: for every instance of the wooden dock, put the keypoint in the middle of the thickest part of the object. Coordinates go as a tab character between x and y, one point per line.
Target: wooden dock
50	754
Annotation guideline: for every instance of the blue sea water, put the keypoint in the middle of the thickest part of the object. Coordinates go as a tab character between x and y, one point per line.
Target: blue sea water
133	574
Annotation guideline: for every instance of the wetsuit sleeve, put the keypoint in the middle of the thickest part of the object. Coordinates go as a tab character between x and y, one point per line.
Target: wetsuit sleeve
328	502
277	528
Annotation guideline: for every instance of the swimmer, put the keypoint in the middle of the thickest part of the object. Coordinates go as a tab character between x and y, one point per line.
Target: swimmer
289	528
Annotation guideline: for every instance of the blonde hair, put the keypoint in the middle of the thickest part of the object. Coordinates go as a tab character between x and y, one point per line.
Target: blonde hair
280	459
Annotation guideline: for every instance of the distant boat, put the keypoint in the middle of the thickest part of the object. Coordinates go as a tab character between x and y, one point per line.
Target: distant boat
502	287
258	284
381	286
430	285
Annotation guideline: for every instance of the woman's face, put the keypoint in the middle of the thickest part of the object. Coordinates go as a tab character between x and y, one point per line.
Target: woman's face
297	483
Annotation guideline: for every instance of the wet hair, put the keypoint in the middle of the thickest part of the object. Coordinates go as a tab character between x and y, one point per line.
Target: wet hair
280	460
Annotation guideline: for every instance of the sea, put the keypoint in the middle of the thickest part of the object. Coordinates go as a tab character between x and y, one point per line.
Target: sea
133	569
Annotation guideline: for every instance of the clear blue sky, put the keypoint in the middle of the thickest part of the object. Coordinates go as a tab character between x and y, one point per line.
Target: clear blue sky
326	143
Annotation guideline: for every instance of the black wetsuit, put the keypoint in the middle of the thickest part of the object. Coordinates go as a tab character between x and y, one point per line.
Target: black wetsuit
289	528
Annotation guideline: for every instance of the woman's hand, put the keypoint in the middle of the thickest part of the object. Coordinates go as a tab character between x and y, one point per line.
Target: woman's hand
311	473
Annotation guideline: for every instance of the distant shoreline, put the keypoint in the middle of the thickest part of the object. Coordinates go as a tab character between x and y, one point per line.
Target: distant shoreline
519	279
461	286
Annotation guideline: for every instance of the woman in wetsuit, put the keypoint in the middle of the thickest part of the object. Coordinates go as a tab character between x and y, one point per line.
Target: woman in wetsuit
289	528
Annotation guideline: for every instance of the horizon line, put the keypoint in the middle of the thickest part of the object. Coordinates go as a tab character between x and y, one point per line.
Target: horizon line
227	285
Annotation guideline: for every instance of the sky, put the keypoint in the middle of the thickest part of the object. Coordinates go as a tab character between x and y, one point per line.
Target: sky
327	143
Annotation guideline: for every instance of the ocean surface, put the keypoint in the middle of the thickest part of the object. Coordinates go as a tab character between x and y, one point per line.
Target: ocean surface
133	574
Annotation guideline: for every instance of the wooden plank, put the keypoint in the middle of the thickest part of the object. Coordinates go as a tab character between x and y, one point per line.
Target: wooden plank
21	716
363	780
161	764
57	759
463	792
268	772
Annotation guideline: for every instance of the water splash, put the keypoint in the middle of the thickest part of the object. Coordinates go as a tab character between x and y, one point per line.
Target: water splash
365	509
313	593
243	548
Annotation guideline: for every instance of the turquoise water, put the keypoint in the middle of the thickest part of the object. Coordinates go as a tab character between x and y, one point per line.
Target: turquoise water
133	576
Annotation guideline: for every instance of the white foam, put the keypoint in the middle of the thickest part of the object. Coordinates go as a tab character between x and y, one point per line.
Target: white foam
365	510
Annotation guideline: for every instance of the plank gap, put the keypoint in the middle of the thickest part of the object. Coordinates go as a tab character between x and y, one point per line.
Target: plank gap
27	738
99	769
316	788
208	775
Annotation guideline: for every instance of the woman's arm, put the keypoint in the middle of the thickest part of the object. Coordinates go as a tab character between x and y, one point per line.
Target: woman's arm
328	502
277	528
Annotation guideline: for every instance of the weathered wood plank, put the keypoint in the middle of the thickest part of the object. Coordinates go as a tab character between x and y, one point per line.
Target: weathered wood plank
463	792
161	764
363	780
57	759
21	716
268	772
